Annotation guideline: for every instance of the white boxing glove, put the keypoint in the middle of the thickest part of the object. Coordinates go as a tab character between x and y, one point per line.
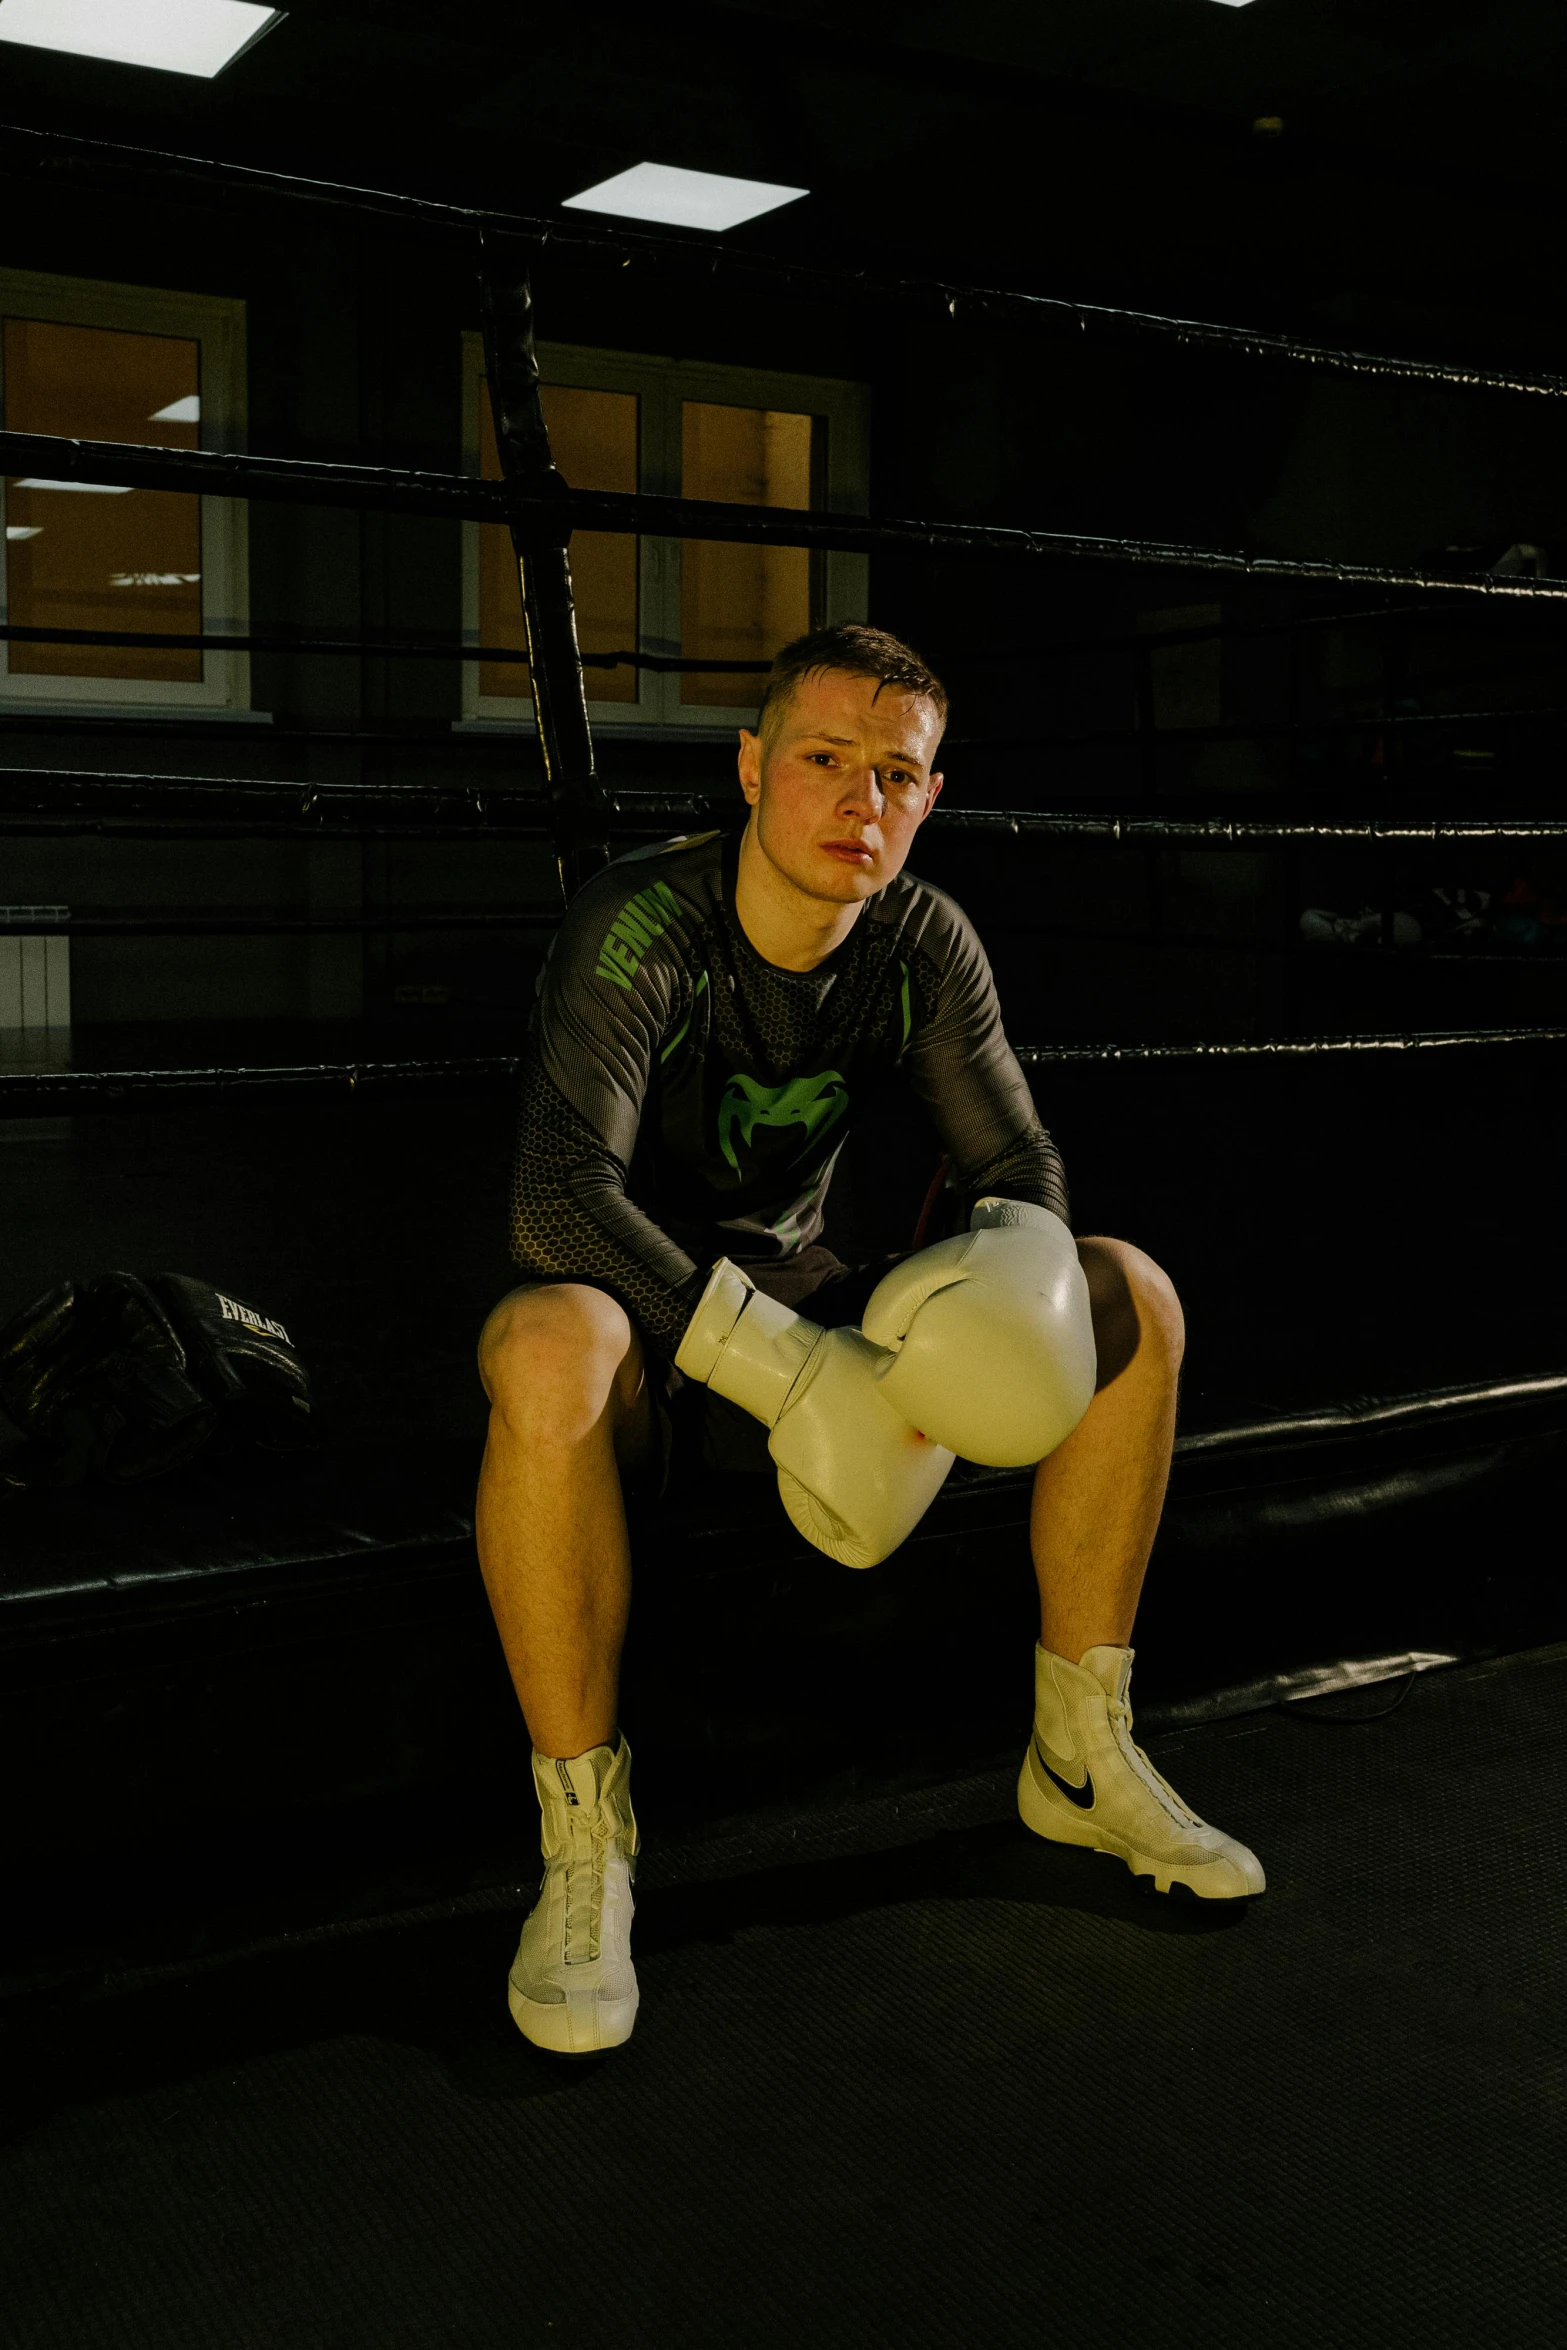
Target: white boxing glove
853	1475
990	1335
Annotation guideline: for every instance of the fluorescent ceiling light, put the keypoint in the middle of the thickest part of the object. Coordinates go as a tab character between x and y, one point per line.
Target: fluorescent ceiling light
175	36
96	489
23	530
186	411
680	199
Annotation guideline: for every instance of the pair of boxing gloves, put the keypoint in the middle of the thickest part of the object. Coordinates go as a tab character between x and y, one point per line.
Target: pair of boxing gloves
982	1345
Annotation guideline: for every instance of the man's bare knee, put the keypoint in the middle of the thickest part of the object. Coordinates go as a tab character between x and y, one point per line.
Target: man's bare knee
555	1356
1135	1308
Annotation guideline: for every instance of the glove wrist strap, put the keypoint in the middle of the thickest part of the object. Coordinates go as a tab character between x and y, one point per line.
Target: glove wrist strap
718	1310
745	1346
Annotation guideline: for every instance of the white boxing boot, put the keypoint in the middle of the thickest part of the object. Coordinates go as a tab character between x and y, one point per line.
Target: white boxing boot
573	1987
1084	1782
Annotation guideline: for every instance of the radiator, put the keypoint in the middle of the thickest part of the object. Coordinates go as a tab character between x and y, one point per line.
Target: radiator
35	975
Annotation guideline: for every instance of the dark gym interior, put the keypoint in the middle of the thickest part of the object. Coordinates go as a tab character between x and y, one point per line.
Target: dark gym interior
1186	381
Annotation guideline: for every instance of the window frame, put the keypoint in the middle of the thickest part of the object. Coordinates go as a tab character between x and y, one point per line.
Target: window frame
216	324
660	386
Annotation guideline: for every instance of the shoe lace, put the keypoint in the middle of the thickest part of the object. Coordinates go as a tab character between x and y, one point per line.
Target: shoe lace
589	1838
1120	1714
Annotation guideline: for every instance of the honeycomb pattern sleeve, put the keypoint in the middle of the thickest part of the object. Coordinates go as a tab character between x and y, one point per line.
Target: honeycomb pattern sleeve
616	969
570	1218
963	1069
1030	1169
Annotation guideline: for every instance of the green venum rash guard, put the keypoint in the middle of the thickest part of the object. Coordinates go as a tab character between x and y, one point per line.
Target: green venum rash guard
684	1100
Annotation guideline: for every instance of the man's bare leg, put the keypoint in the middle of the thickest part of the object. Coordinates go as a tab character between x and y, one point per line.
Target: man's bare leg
569	1409
1098	1498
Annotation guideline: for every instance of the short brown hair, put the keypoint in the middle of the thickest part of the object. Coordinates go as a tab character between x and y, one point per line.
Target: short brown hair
858	651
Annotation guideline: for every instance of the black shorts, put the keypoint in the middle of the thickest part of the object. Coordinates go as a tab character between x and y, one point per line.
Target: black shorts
703	1435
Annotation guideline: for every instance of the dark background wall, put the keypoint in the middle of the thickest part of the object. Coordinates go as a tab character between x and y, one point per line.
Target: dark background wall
1105	154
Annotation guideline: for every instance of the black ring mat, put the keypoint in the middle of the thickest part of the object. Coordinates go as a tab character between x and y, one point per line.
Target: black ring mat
973	2089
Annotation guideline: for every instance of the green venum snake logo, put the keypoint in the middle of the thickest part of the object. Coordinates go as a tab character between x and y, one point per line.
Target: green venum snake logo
812	1102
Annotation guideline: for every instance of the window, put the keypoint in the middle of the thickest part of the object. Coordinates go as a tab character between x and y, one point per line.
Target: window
121	363
742	603
617	422
593	437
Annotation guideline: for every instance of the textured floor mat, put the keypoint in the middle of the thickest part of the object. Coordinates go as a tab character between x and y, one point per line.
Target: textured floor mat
971	2090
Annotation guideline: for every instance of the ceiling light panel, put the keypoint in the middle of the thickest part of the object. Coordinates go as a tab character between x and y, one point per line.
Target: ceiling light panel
174	36
679	199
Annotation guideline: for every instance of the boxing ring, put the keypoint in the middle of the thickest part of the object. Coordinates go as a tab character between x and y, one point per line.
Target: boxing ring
267	1842
577	818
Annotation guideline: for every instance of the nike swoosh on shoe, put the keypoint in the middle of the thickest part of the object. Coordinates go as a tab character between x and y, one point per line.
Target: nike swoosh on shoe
1082	1796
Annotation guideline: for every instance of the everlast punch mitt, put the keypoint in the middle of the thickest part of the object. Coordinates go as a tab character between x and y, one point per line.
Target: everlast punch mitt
244	1361
124	1379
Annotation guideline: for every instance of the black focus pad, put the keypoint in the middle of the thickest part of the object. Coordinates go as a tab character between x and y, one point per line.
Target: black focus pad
243	1360
95	1377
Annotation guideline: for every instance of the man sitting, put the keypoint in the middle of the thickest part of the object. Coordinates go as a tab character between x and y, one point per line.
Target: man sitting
710	1014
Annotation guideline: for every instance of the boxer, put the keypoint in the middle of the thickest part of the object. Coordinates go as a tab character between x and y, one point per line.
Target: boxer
710	1015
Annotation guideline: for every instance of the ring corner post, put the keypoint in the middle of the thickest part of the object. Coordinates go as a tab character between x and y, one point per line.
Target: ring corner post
579	814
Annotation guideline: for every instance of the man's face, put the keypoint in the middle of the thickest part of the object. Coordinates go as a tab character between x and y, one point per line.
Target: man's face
842	784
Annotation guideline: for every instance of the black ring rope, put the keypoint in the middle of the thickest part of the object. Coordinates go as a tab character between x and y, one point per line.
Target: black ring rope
515	812
461	497
1373	1415
710	261
252	727
237	922
401	649
1267	730
161	640
1281	1048
1248	832
1140	641
36	1092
